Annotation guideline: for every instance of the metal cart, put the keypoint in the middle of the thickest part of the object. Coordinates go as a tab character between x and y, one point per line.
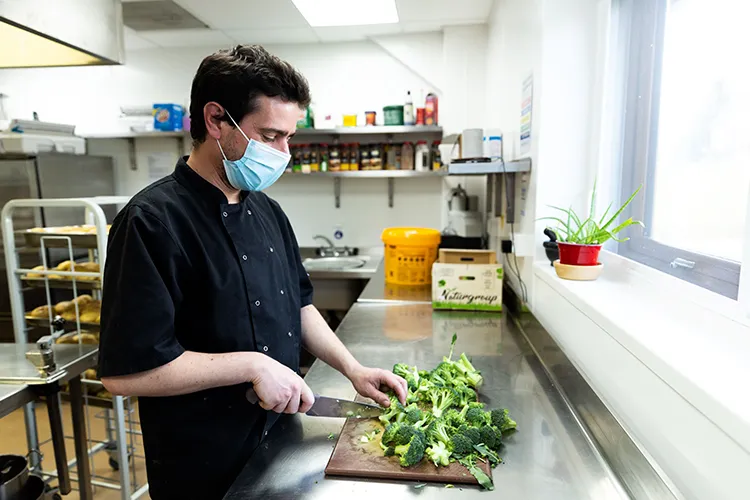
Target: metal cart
117	412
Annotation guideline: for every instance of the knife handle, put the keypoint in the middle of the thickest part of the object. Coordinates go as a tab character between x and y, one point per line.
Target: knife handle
252	396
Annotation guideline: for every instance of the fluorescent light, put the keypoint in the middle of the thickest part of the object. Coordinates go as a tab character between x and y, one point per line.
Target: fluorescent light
24	49
319	13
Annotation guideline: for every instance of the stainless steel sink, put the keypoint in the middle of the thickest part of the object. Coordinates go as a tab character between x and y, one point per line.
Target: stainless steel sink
334	263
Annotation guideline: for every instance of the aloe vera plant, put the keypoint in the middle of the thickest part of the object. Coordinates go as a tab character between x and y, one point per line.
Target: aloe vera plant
591	230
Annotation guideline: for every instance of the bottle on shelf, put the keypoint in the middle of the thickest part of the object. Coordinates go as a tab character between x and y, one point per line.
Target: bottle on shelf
334	159
376	157
422	156
315	158
354	156
431	109
409	109
297	160
344	153
435	156
407	156
306	159
323	152
364	158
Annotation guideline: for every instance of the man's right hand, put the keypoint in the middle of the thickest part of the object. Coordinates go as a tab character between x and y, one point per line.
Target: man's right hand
279	389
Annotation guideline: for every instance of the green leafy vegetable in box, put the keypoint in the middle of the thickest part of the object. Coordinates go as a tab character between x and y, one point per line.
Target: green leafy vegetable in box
443	421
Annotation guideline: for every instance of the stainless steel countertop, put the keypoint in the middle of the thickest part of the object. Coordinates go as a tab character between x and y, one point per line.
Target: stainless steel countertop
378	291
13	397
367	271
71	360
549	458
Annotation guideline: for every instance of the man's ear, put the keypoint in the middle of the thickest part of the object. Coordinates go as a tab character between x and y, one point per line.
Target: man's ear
212	115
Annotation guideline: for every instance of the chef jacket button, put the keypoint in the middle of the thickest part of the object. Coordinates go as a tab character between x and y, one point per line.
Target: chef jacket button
265	433
282	292
289	333
224	214
265	348
271	249
244	257
249	212
257	303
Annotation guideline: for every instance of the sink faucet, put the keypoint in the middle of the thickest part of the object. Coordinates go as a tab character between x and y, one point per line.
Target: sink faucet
329	247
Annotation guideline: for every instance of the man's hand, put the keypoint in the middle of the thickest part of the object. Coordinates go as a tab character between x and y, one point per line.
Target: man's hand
278	388
367	382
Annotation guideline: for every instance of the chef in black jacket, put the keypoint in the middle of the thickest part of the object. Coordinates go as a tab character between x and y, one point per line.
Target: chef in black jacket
204	290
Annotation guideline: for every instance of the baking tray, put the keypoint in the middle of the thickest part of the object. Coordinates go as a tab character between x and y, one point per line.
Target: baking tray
64	284
33	321
77	240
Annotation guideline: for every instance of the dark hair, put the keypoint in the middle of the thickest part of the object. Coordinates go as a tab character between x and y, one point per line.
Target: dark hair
235	78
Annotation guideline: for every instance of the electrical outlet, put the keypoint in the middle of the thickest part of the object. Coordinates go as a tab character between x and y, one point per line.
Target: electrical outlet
506	246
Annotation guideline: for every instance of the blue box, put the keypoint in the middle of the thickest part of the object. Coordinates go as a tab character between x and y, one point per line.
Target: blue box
168	117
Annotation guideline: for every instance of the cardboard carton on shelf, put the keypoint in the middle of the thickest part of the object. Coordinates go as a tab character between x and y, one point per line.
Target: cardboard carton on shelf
467	280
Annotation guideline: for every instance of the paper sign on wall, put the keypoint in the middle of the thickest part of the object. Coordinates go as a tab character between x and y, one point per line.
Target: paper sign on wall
527	97
160	164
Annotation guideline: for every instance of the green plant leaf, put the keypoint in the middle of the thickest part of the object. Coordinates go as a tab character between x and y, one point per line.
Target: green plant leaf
601	221
571	214
578	236
593	200
614	217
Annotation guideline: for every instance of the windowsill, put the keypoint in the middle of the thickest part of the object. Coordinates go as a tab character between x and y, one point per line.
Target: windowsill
695	341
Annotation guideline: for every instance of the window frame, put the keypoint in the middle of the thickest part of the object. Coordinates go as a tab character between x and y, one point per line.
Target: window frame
645	22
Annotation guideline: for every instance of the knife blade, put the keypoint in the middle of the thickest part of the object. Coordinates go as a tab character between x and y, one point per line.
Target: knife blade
332	407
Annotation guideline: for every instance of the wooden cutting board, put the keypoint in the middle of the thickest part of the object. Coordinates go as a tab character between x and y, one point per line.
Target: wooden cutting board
353	458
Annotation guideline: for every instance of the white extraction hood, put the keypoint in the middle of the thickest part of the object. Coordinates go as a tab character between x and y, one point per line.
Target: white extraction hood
42	33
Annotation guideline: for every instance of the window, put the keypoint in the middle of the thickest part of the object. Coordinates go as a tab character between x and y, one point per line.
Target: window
685	136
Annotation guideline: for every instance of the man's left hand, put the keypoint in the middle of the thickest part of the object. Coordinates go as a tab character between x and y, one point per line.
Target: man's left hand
367	382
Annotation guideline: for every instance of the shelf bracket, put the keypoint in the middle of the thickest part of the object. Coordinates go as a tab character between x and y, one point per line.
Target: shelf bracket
390	191
337	191
131	153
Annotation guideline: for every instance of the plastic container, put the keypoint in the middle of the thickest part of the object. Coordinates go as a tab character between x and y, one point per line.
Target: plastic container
393	115
354	156
344	153
407	156
168	117
370	118
431	109
573	254
422	157
409	255
409	118
350	120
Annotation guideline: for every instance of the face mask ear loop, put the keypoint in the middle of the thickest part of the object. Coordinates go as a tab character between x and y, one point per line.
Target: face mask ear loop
238	127
221	149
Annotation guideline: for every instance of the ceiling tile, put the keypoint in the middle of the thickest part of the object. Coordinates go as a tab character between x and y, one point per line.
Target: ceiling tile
421	27
439	10
245	14
187	38
274	36
351	33
135	42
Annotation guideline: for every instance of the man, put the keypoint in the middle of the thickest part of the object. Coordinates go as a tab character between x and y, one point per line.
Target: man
205	292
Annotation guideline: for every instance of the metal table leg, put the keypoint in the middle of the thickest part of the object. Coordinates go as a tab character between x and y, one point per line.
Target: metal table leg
122	447
52	392
79	436
32	436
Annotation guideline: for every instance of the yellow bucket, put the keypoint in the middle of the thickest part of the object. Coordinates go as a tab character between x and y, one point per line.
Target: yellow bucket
409	255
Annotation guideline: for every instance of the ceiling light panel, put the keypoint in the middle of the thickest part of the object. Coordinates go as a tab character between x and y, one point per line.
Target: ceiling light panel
321	13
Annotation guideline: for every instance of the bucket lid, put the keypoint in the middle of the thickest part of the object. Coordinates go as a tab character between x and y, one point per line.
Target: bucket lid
414	236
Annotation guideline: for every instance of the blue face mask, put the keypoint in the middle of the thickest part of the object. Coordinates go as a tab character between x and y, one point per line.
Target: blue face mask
259	167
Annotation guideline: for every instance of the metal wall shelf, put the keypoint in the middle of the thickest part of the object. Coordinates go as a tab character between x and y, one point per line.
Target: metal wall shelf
372	174
180	134
371	130
389	175
493	167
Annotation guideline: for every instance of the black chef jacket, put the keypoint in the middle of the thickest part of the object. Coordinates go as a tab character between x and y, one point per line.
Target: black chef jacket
186	270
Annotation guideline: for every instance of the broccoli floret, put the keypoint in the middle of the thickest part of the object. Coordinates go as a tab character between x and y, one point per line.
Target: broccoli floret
491	436
465	394
471	433
409	373
398	433
439	454
443	374
473	376
412	452
453	419
392	411
500	418
462	445
442	399
439	432
411	414
477	417
388	451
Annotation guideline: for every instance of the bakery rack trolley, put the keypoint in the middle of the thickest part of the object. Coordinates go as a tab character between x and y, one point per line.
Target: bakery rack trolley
118	413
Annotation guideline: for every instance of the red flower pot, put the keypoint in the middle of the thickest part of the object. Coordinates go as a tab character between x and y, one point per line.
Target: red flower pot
574	254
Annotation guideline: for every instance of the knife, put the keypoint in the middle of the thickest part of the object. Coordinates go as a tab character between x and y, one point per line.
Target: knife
333	407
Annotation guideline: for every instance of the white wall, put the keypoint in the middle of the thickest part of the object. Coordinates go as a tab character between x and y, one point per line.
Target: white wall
344	77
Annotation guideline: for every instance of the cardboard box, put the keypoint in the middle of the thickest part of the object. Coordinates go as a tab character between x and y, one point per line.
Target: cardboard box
467	287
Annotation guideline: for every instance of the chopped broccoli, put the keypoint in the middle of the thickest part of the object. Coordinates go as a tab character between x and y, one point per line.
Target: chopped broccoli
442	399
411	414
453	419
398	433
409	373
388	451
412	452
471	433
392	411
500	418
491	436
462	445
477	417
439	432
439	454
331	436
